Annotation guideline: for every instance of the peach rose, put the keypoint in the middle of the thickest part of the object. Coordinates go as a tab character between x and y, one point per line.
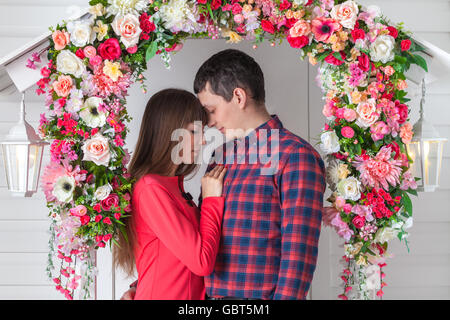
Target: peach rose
367	113
61	39
389	71
300	28
96	150
90	51
346	13
402	85
63	85
127	27
349	115
406	133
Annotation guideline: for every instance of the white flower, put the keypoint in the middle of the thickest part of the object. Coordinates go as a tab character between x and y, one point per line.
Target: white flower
300	2
346	13
75	101
349	188
103	192
81	32
382	49
385	234
69	63
97	150
63	189
408	223
180	15
122	7
127	27
90	113
330	142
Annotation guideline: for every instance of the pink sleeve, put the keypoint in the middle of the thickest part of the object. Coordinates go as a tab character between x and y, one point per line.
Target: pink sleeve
196	248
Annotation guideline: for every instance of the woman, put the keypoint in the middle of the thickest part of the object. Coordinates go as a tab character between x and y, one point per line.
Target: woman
171	244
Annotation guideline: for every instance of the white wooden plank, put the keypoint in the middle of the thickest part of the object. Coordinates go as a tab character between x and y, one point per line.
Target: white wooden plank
30	266
24	236
30	293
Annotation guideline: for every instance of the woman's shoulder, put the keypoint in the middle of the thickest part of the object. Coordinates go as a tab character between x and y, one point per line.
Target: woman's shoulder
155	181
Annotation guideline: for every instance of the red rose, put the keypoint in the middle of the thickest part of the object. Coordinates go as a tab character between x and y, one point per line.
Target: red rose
85	219
117	215
285	5
110	49
402	111
358	34
332	60
298	42
80	53
107	221
359	222
98	218
111	200
364	62
392	32
215	4
405	44
267	26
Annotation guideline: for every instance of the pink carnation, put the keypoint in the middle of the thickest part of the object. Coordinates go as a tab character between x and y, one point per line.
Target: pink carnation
347	132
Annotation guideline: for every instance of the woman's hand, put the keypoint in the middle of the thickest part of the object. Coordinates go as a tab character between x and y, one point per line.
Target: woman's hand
212	182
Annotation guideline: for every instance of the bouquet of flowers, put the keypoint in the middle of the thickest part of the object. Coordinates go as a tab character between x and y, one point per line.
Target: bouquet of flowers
95	59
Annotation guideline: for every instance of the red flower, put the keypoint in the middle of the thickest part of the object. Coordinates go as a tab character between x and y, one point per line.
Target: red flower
117	215
107	221
215	4
98	218
364	62
201	1
332	60
402	111
80	53
111	200
393	32
323	28
284	5
85	219
97	208
405	44
110	49
146	25
298	42
267	26
107	237
358	34
359	222
236	9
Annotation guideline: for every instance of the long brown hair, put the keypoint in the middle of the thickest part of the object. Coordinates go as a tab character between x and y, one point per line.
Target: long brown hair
166	111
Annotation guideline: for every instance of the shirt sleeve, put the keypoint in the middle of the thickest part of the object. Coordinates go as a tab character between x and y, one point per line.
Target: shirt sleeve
196	248
301	185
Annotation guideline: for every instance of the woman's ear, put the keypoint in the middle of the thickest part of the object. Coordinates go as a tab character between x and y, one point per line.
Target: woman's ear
240	97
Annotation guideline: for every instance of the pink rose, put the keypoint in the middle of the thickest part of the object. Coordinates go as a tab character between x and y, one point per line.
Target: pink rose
63	85
346	13
107	237
90	51
334	61
96	149
128	28
95	60
79	211
367	113
110	49
359	222
236	9
340	202
111	201
405	44
132	50
61	39
389	71
329	109
300	28
349	115
239	18
364	62
347	132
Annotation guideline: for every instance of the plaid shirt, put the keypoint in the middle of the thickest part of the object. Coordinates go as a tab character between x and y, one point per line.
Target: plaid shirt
272	215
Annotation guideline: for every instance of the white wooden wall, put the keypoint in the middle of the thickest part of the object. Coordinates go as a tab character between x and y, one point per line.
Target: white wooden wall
292	94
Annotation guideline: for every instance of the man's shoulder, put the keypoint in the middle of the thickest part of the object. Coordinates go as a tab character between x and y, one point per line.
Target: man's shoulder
292	143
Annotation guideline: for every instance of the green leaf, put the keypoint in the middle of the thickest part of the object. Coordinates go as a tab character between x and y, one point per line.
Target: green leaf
337	55
420	61
407	203
151	51
322	56
412	191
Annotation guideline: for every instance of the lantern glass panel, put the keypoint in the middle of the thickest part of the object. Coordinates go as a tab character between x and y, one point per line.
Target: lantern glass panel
432	162
35	155
15	158
413	149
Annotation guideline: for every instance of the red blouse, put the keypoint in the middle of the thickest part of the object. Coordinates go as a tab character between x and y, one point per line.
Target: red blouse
176	246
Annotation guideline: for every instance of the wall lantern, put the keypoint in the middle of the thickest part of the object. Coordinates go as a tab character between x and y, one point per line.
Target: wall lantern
22	152
426	150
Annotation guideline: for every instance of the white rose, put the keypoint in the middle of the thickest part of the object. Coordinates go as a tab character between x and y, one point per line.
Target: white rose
69	63
103	192
90	113
349	188
330	142
300	2
346	13
96	150
382	49
127	27
63	189
385	234
80	32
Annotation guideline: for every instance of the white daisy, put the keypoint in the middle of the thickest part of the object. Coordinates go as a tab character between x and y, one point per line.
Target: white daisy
90	113
63	189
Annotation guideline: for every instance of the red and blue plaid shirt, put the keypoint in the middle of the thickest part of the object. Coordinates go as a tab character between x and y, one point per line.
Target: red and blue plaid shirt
272	215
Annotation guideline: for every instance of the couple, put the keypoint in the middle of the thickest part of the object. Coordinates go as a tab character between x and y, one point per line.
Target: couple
255	232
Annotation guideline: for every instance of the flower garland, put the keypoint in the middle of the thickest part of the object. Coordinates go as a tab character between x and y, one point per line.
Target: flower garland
95	59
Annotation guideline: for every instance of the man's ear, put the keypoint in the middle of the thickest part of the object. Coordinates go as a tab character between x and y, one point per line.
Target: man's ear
240	97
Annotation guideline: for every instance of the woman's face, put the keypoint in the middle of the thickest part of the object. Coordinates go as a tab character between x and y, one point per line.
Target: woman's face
192	142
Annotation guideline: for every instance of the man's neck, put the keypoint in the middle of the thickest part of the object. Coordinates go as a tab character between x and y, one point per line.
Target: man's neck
256	119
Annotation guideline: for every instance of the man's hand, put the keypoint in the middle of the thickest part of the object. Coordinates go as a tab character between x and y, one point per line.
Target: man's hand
129	294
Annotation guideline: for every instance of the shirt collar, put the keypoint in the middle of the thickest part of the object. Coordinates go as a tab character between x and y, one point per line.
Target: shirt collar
273	123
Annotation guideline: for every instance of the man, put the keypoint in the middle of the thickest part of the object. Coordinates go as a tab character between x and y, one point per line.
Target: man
273	203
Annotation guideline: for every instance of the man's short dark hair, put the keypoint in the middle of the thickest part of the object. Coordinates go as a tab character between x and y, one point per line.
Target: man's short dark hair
230	69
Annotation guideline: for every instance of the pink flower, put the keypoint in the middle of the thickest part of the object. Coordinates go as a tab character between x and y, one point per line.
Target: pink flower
408	181
379	171
300	28
63	85
349	115
406	133
379	130
359	221
110	49
111	201
347	132
323	28
79	211
95	60
90	51
334	61
363	211
61	39
329	109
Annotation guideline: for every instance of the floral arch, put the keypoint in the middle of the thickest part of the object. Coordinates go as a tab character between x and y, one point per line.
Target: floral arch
94	60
